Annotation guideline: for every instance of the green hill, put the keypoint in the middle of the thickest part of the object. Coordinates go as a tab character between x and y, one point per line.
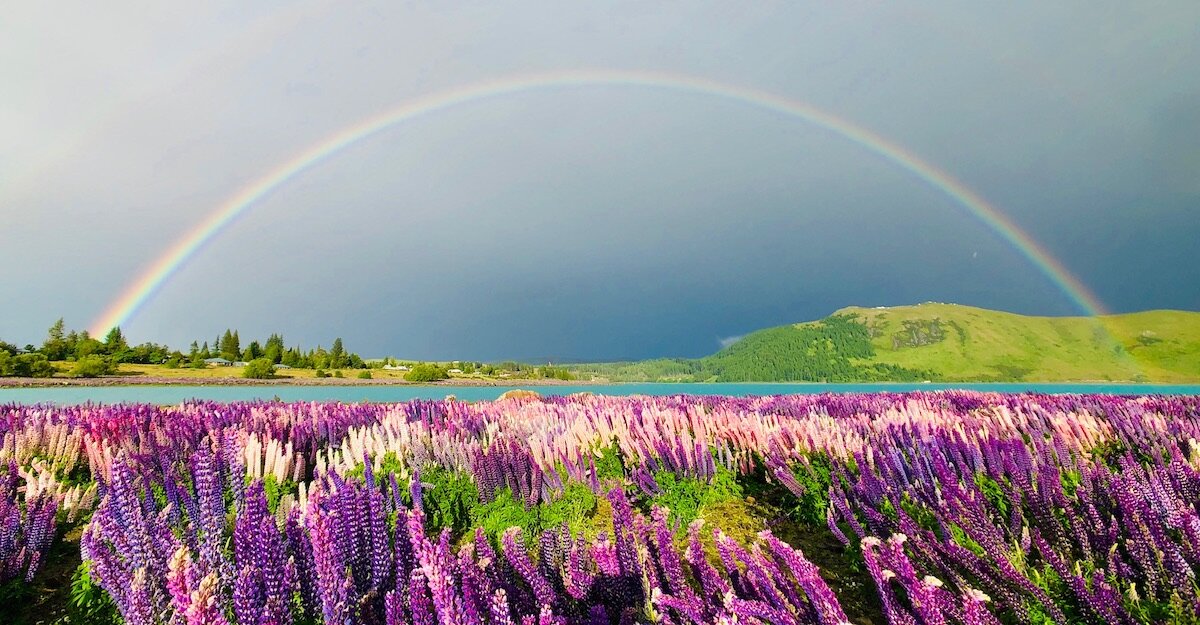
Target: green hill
965	343
946	342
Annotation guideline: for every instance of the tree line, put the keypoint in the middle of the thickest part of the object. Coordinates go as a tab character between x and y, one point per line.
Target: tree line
94	357
835	349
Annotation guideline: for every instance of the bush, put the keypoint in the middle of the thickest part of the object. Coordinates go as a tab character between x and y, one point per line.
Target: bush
426	373
337	373
92	367
25	365
34	366
259	369
449	499
577	507
685	497
365	374
320	373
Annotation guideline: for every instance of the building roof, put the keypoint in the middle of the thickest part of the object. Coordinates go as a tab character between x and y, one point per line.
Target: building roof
217	361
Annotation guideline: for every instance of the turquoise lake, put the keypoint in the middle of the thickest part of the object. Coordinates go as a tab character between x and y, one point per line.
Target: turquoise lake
176	394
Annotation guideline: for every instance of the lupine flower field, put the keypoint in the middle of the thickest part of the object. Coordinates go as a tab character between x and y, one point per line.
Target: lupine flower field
912	509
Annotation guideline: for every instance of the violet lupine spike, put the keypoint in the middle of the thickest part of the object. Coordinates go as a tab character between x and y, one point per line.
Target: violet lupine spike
760	580
211	508
500	613
249	600
753	611
40	518
624	533
713	587
668	557
826	604
420	603
516	555
604	554
837	532
140	608
380	556
893	610
974	612
690	610
329	565
300	547
597	615
475	586
437	566
578	578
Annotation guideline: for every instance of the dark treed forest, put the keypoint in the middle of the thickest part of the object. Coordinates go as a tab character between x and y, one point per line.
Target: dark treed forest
818	352
825	351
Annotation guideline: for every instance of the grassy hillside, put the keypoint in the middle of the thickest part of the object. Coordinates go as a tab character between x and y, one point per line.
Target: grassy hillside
965	343
945	342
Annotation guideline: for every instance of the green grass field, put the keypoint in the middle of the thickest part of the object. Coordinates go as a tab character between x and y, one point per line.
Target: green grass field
980	344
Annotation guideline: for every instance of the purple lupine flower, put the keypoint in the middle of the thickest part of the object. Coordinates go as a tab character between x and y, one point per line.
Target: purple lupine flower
39	533
520	561
624	533
604	553
333	586
827	607
420	603
500	613
713	586
578	578
974	613
248	597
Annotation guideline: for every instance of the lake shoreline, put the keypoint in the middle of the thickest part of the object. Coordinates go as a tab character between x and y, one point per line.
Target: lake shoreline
107	381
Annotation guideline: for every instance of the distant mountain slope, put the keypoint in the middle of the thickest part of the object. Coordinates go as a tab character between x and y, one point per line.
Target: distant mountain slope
946	342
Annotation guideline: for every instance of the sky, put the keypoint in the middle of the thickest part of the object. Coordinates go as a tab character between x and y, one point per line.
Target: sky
592	222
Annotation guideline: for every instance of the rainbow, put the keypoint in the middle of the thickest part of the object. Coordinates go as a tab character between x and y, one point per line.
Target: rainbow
136	294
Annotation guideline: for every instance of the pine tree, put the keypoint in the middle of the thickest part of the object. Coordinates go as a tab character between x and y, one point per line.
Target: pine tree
337	354
228	346
55	347
114	341
275	349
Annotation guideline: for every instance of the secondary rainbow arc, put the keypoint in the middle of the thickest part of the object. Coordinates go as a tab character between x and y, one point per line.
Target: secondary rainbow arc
151	280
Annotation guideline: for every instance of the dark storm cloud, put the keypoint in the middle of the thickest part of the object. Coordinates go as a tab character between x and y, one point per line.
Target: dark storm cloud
595	222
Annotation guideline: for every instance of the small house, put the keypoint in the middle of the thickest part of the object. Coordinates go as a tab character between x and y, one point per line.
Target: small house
240	363
220	362
454	371
281	366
